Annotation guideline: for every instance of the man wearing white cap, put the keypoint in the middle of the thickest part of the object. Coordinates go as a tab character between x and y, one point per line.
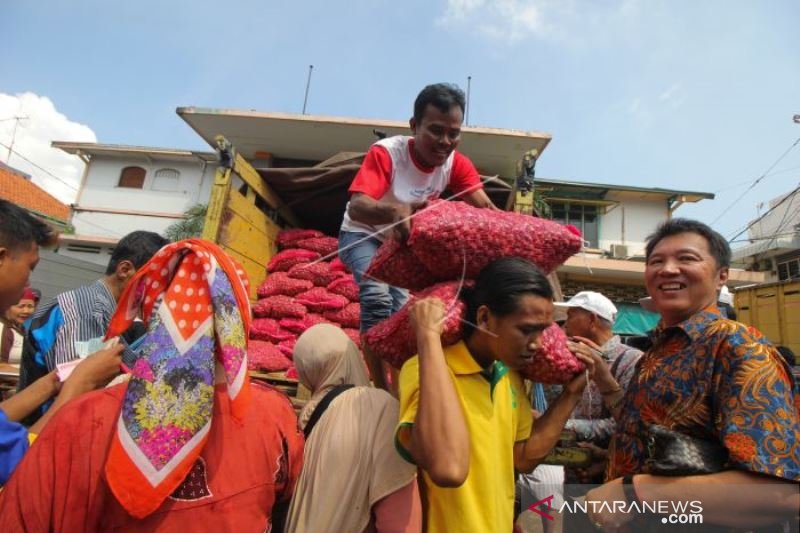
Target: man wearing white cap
590	317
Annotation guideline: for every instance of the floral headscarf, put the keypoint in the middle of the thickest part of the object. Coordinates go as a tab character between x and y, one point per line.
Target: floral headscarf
193	298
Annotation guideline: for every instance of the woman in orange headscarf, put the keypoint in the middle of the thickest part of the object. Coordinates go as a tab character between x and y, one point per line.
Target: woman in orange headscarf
187	438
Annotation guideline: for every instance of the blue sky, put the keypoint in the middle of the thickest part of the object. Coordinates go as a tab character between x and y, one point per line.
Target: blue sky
675	94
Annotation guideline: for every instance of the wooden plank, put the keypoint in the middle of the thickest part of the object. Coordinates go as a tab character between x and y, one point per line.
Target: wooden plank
256	273
245	208
216	204
250	176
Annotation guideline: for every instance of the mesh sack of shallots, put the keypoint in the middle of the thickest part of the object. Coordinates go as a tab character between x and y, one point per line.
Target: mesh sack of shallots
354	334
268	329
347	317
393	339
282	283
320	300
345	286
298	325
287	347
553	362
447	235
266	357
339	266
320	273
283	261
279	306
324	245
288	238
394	263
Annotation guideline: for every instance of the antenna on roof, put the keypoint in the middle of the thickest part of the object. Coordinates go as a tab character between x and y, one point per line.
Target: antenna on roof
469	85
308	85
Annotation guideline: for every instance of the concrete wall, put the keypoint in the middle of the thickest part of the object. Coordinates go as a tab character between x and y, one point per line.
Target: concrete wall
782	219
157	196
56	273
630	222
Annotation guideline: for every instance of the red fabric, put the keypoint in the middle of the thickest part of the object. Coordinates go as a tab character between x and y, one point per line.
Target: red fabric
266	356
345	286
289	237
282	283
268	329
324	245
59	485
347	317
320	300
464	175
283	261
375	175
553	362
279	307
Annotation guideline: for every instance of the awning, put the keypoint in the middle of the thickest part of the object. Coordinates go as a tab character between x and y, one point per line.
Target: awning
633	320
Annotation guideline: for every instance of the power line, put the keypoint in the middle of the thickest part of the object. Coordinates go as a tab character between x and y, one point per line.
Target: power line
744	182
756	182
74	188
770	210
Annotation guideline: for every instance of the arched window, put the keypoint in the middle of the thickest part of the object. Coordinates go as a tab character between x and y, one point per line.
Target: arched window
132	177
166	179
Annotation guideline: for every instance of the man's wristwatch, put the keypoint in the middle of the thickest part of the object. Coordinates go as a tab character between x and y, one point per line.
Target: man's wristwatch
630	490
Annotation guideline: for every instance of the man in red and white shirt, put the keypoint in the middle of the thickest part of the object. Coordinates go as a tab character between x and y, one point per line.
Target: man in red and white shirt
400	174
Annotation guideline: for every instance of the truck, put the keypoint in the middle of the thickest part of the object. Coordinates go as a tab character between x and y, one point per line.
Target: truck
773	309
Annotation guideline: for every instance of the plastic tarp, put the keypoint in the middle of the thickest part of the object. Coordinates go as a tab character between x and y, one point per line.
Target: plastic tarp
633	320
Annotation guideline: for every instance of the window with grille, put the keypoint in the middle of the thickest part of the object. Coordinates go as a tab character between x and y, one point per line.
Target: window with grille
583	217
132	177
166	179
789	269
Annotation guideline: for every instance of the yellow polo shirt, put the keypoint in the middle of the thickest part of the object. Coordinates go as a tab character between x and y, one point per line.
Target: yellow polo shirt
498	414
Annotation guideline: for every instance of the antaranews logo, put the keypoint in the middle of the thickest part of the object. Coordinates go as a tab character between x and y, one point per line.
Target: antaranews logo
674	512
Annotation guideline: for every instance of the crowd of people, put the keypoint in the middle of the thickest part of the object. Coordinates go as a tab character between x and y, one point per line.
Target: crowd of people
183	440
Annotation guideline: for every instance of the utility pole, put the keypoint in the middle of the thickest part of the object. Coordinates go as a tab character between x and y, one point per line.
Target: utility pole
16	120
308	85
469	86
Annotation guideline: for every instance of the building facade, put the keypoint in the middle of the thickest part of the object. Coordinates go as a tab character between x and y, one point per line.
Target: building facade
129	188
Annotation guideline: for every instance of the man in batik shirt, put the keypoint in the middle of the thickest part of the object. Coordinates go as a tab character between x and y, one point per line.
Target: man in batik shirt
705	377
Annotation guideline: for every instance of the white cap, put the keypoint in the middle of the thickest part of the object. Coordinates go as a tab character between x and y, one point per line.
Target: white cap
725	296
594	302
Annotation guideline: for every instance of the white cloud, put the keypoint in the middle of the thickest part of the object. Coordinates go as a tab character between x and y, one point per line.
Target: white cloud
674	95
501	20
42	124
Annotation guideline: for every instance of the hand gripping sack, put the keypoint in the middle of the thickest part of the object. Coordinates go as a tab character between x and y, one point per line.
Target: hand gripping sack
446	235
553	362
